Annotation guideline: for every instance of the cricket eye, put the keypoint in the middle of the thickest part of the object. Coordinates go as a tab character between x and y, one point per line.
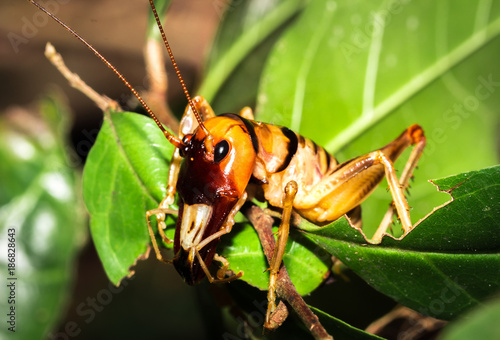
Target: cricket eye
221	150
186	141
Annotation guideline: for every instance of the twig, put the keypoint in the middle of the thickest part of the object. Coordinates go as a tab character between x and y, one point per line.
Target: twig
416	324
103	102
156	95
285	289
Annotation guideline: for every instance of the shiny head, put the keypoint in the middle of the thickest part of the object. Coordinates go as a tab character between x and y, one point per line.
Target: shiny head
210	188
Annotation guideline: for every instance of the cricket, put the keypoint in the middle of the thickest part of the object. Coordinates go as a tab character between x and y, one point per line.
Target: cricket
222	161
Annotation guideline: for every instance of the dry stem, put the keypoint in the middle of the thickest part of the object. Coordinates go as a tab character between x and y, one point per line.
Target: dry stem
103	102
285	289
156	95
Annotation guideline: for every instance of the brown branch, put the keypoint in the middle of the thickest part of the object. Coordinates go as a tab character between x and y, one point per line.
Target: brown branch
285	289
156	95
103	102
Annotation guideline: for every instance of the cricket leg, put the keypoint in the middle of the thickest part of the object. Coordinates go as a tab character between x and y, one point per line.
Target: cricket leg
275	264
160	214
221	272
412	136
353	181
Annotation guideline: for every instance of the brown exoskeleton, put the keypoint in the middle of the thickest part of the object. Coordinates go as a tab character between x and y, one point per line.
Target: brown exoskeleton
222	161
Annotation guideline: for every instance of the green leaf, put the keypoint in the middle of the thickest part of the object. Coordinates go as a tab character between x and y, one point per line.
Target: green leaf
352	75
306	263
480	323
341	330
448	263
125	175
41	218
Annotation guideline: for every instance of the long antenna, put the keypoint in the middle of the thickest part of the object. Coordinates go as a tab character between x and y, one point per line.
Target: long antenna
170	137
209	140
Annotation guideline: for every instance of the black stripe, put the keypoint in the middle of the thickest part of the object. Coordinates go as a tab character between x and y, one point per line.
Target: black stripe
328	159
292	147
248	125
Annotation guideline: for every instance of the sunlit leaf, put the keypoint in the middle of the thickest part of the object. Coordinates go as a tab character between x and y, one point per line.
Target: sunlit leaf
352	75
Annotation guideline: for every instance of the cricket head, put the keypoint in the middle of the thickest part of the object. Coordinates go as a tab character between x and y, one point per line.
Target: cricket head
210	184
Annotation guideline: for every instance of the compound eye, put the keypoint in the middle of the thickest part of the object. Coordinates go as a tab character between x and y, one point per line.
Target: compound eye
221	151
186	141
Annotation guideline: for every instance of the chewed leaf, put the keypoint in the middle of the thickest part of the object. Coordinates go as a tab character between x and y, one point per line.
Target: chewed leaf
448	263
125	175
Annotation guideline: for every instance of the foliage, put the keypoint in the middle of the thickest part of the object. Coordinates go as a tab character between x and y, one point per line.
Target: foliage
41	202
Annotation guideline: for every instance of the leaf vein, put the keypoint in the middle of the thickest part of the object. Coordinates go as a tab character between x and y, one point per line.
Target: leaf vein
416	84
372	65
